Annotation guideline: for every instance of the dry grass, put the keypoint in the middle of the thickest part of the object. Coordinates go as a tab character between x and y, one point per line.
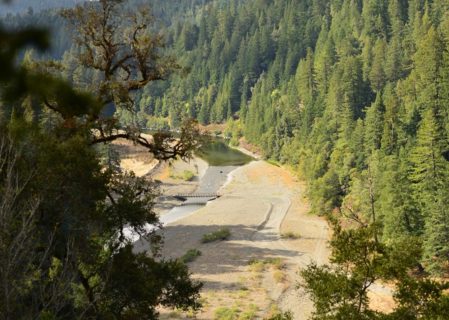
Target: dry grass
256	265
279	276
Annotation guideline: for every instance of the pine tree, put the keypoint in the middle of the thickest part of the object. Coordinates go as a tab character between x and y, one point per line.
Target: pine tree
377	74
436	236
428	62
430	177
394	60
429	166
324	60
305	79
401	215
374	124
391	124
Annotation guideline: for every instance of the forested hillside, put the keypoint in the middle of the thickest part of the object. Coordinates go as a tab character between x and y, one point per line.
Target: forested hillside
352	94
47	14
355	93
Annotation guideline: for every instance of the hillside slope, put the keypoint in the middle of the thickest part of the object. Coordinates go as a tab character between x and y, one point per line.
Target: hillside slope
354	93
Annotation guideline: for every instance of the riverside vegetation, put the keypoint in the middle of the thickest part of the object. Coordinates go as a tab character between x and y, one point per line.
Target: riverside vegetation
352	93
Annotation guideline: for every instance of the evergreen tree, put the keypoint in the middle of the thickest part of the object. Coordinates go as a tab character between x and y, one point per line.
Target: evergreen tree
323	85
374	124
377	74
430	175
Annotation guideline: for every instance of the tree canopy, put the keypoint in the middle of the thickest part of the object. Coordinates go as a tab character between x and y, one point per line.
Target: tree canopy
352	93
63	252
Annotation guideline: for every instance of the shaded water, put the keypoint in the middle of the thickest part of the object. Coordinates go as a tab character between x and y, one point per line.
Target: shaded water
217	153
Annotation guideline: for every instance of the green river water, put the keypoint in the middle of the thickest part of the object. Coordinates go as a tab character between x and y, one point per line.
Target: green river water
217	153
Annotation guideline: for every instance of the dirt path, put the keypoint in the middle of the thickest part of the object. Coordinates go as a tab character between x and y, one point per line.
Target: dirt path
254	273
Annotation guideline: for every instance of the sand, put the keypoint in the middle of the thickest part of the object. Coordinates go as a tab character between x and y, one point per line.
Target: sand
254	270
258	203
134	158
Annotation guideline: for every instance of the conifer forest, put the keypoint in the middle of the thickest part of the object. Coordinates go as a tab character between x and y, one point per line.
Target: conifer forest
352	96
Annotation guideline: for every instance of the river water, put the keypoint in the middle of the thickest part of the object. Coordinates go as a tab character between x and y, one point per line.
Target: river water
217	153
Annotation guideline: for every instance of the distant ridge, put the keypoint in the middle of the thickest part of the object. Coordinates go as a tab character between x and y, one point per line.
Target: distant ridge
23	6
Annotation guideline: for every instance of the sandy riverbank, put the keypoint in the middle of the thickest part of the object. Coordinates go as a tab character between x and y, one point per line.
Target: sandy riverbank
259	202
171	182
255	271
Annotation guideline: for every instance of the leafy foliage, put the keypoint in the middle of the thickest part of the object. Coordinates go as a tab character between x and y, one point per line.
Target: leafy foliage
190	255
359	262
64	248
351	93
220	234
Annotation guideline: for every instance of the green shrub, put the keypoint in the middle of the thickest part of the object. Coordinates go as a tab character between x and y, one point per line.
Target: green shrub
277	263
187	175
190	255
220	234
224	313
256	265
249	314
234	141
290	235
